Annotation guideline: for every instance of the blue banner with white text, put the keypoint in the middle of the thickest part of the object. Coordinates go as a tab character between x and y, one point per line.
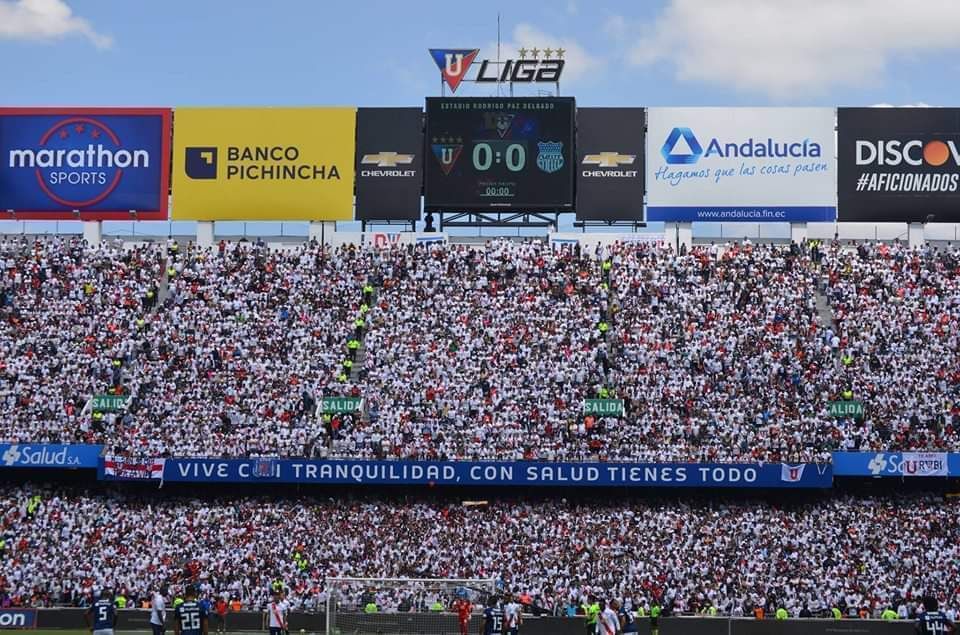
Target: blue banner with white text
764	214
15	618
359	472
50	455
899	464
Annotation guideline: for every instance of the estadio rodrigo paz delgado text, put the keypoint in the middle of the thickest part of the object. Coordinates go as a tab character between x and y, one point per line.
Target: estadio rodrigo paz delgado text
274	163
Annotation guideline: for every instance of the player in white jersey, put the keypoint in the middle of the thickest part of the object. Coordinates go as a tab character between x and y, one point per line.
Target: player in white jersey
158	611
277	612
512	617
609	621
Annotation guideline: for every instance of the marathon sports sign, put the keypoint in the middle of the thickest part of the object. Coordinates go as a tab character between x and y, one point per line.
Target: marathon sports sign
18	618
460	473
49	455
898	164
84	163
899	464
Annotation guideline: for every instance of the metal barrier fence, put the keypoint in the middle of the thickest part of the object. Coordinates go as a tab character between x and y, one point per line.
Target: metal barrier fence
434	624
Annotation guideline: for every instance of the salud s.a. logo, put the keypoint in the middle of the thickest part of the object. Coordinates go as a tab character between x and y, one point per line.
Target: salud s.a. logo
78	161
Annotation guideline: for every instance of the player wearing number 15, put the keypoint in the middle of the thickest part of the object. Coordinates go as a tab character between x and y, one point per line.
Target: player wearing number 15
102	616
190	617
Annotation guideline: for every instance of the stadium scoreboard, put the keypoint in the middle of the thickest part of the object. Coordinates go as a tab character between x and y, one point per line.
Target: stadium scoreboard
499	153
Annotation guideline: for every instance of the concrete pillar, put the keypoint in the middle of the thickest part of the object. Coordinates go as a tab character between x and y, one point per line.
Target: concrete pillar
915	235
205	233
321	230
670	235
685	235
92	231
798	232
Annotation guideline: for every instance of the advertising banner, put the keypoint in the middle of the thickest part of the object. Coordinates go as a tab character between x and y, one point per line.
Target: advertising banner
384	240
84	163
899	164
389	163
18	618
269	164
902	464
610	150
741	164
52	455
771	475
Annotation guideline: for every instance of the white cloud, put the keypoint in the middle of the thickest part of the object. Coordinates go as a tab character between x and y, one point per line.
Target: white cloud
919	104
579	62
783	47
45	20
615	27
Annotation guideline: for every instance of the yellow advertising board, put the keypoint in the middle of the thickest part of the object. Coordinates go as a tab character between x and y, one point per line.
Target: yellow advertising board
265	164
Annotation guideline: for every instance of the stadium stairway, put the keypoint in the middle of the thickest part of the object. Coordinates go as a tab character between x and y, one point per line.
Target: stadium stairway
358	362
823	309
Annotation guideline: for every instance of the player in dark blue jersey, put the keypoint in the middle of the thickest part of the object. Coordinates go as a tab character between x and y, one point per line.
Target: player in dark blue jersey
932	621
628	622
102	616
492	618
190	617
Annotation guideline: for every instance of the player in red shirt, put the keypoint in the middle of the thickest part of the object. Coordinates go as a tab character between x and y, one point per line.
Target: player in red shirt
463	608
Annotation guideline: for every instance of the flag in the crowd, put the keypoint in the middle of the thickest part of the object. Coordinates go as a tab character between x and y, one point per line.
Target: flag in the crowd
124	468
791	473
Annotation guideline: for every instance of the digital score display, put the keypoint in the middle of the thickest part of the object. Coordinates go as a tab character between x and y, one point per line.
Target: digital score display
499	153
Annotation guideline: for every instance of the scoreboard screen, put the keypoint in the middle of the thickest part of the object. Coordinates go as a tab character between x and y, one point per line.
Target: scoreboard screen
509	153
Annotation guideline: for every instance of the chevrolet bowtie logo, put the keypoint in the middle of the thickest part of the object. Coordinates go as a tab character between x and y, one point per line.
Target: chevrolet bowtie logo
387	159
609	159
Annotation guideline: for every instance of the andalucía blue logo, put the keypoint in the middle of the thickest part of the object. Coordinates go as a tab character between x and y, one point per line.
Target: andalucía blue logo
681	159
93	161
749	149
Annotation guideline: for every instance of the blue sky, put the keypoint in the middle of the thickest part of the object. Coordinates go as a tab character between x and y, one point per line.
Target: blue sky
372	53
663	52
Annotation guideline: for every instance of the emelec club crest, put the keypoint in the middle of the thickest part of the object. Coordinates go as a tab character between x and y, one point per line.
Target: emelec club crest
533	66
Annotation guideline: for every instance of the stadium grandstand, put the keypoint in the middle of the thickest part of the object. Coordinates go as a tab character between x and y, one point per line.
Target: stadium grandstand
533	354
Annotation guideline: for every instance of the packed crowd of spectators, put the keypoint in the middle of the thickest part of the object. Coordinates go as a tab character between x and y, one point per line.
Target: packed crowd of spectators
864	553
897	331
481	352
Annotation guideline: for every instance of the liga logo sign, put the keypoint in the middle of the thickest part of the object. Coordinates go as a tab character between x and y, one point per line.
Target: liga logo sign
86	163
264	164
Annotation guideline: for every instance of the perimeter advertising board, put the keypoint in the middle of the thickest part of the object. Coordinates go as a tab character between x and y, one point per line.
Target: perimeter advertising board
610	173
741	164
389	163
268	164
899	164
84	163
362	472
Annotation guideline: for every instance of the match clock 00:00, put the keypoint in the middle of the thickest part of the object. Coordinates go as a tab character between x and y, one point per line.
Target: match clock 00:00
508	153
